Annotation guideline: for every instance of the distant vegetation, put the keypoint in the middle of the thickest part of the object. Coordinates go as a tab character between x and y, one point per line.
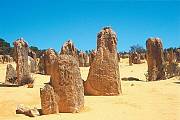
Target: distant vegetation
171	48
4	44
137	48
37	50
5	48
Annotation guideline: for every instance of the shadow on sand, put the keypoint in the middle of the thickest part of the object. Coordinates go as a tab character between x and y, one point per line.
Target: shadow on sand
8	85
177	82
131	79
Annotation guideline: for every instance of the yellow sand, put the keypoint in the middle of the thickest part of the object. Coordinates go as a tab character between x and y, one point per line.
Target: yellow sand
141	100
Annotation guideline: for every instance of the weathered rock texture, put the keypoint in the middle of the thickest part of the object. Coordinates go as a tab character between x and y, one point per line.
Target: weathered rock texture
21	57
130	60
81	59
86	59
21	109
119	57
142	56
1	58
49	59
33	61
69	48
172	70
32	54
11	76
166	55
136	58
31	64
48	100
172	66
103	77
92	56
67	84
177	52
171	56
5	59
11	59
41	64
155	59
124	56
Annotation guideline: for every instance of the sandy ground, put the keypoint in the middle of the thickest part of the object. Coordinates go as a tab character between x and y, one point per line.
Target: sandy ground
141	100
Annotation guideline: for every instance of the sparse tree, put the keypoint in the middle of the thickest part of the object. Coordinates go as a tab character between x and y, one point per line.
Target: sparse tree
34	48
137	48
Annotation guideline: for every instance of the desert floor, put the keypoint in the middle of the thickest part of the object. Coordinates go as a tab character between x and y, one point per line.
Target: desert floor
159	100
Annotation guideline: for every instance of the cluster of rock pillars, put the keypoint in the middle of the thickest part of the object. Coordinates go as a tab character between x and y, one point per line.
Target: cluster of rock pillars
66	90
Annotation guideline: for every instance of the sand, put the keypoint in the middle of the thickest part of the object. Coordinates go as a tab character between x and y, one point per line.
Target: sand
159	100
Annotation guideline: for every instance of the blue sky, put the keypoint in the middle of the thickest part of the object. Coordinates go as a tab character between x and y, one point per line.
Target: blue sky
49	23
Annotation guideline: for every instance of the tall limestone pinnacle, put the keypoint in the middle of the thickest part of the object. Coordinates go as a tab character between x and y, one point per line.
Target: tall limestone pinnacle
103	77
155	59
21	57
